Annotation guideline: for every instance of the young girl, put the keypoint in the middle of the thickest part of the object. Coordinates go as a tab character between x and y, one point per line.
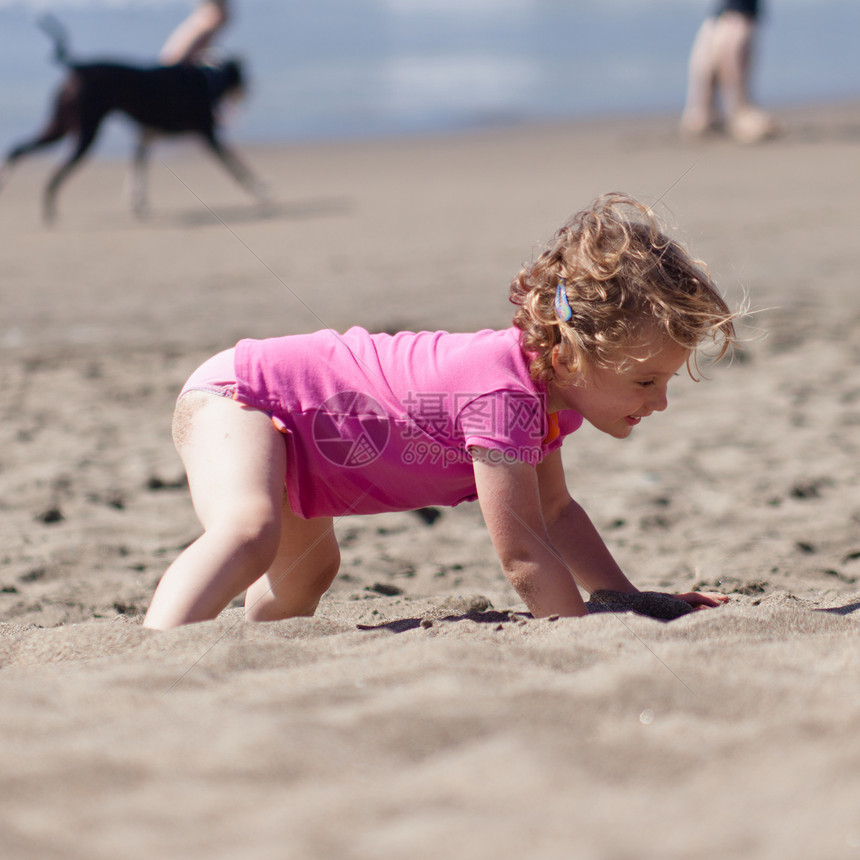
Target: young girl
280	436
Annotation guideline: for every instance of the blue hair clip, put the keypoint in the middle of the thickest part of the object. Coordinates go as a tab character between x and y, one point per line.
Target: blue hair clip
562	305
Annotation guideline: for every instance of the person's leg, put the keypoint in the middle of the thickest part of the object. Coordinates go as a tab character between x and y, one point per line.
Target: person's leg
699	114
305	566
235	460
195	33
734	41
734	35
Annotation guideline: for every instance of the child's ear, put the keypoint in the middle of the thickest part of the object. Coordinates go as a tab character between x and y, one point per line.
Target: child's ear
564	365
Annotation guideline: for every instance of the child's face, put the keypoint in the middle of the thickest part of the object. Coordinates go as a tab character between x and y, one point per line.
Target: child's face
615	401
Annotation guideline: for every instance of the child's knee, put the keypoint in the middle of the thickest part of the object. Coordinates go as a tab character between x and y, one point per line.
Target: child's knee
250	537
291	593
313	584
327	573
257	539
331	564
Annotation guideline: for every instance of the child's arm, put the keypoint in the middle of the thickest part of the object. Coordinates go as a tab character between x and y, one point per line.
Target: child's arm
587	556
510	500
574	534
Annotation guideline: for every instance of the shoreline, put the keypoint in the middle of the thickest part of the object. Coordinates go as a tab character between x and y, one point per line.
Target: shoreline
540	173
826	113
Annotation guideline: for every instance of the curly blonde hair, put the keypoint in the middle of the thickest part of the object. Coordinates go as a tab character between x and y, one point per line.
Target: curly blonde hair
622	277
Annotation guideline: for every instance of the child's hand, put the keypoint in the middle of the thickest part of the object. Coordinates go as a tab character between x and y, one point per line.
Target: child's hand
702	600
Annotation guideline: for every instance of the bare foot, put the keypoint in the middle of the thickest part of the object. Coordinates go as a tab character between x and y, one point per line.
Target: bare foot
696	124
752	125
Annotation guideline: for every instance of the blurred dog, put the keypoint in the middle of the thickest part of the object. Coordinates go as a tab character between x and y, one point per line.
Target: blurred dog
180	99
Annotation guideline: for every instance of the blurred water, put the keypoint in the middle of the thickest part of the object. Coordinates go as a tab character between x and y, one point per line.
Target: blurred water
335	69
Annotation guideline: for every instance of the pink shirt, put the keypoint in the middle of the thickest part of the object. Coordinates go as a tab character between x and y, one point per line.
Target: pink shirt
378	422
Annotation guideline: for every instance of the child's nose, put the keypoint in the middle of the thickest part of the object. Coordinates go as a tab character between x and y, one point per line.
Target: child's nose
659	400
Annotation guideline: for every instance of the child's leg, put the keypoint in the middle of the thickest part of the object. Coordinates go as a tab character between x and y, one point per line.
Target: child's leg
307	561
235	460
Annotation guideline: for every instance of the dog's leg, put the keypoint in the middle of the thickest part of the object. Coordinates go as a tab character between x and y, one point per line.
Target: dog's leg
138	186
236	168
85	140
55	130
5	172
51	135
62	120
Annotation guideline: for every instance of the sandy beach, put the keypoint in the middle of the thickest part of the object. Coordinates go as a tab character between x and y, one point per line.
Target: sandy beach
421	713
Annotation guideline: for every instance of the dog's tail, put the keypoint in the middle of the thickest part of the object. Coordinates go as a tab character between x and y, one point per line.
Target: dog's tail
57	33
